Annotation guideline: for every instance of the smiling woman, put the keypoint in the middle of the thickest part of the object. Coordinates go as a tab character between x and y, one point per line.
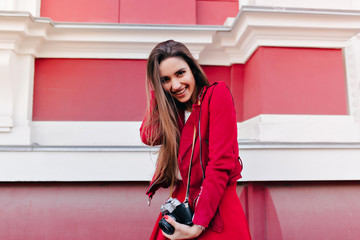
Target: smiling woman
178	80
178	85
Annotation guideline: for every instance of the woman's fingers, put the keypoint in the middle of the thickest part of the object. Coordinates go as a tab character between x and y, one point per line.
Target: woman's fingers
171	220
182	231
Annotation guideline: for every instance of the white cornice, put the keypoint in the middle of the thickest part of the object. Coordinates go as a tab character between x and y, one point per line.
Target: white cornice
262	162
254	26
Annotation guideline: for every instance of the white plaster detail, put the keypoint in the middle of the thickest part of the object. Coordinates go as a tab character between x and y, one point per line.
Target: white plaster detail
214	45
91	133
279	162
6	91
84	165
299	128
352	66
16	90
305	164
322	4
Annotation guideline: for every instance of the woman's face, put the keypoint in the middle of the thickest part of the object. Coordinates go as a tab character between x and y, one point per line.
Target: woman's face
177	79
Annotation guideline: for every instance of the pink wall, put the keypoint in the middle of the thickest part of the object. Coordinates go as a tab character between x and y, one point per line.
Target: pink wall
233	76
82	211
294	81
148	12
90	211
215	12
89	90
279	211
95	89
158	11
273	81
81	10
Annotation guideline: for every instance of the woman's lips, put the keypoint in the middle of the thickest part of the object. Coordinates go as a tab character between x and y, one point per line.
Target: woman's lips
180	93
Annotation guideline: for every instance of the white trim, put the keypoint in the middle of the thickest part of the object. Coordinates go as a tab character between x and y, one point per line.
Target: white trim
262	162
352	66
69	133
263	128
299	128
214	45
315	164
53	165
328	4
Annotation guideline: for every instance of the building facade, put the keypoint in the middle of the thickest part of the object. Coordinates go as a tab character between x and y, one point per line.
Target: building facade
72	98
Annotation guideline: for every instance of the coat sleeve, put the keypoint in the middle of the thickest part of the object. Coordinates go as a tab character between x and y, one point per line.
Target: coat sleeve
222	134
147	131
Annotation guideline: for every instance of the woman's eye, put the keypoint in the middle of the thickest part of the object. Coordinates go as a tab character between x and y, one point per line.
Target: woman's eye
164	79
180	73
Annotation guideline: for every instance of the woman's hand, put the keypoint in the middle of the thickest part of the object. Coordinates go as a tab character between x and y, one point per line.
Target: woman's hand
182	231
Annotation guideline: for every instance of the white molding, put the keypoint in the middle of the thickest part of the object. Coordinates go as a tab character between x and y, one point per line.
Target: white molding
291	164
262	162
16	91
6	90
254	26
283	27
352	66
53	165
263	128
322	4
299	128
92	133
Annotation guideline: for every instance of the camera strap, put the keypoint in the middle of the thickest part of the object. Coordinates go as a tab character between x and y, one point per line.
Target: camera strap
191	160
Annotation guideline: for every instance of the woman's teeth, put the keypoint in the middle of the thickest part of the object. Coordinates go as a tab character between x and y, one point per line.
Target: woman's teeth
181	92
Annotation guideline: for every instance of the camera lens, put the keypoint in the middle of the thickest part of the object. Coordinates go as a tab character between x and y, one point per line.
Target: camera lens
166	227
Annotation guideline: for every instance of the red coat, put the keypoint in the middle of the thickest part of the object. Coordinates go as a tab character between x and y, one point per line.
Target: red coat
219	153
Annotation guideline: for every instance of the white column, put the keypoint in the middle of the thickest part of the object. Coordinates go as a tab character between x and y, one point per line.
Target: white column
352	64
6	98
16	84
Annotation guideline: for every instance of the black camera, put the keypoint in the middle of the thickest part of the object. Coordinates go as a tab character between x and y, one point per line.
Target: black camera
181	212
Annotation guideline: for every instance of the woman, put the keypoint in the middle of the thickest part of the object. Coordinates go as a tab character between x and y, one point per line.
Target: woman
181	99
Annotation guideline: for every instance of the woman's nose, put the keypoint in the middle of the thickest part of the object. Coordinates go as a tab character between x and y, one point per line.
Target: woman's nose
175	84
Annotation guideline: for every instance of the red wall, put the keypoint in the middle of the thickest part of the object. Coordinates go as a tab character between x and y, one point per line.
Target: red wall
296	211
81	211
90	211
294	81
81	10
89	90
212	12
148	12
273	81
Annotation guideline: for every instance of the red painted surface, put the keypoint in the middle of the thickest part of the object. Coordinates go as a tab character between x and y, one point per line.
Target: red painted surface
321	211
89	211
82	211
294	81
298	210
215	12
237	89
218	73
81	10
89	90
234	78
96	89
158	11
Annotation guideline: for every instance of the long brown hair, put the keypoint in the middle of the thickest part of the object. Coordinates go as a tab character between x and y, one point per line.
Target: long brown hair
164	116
